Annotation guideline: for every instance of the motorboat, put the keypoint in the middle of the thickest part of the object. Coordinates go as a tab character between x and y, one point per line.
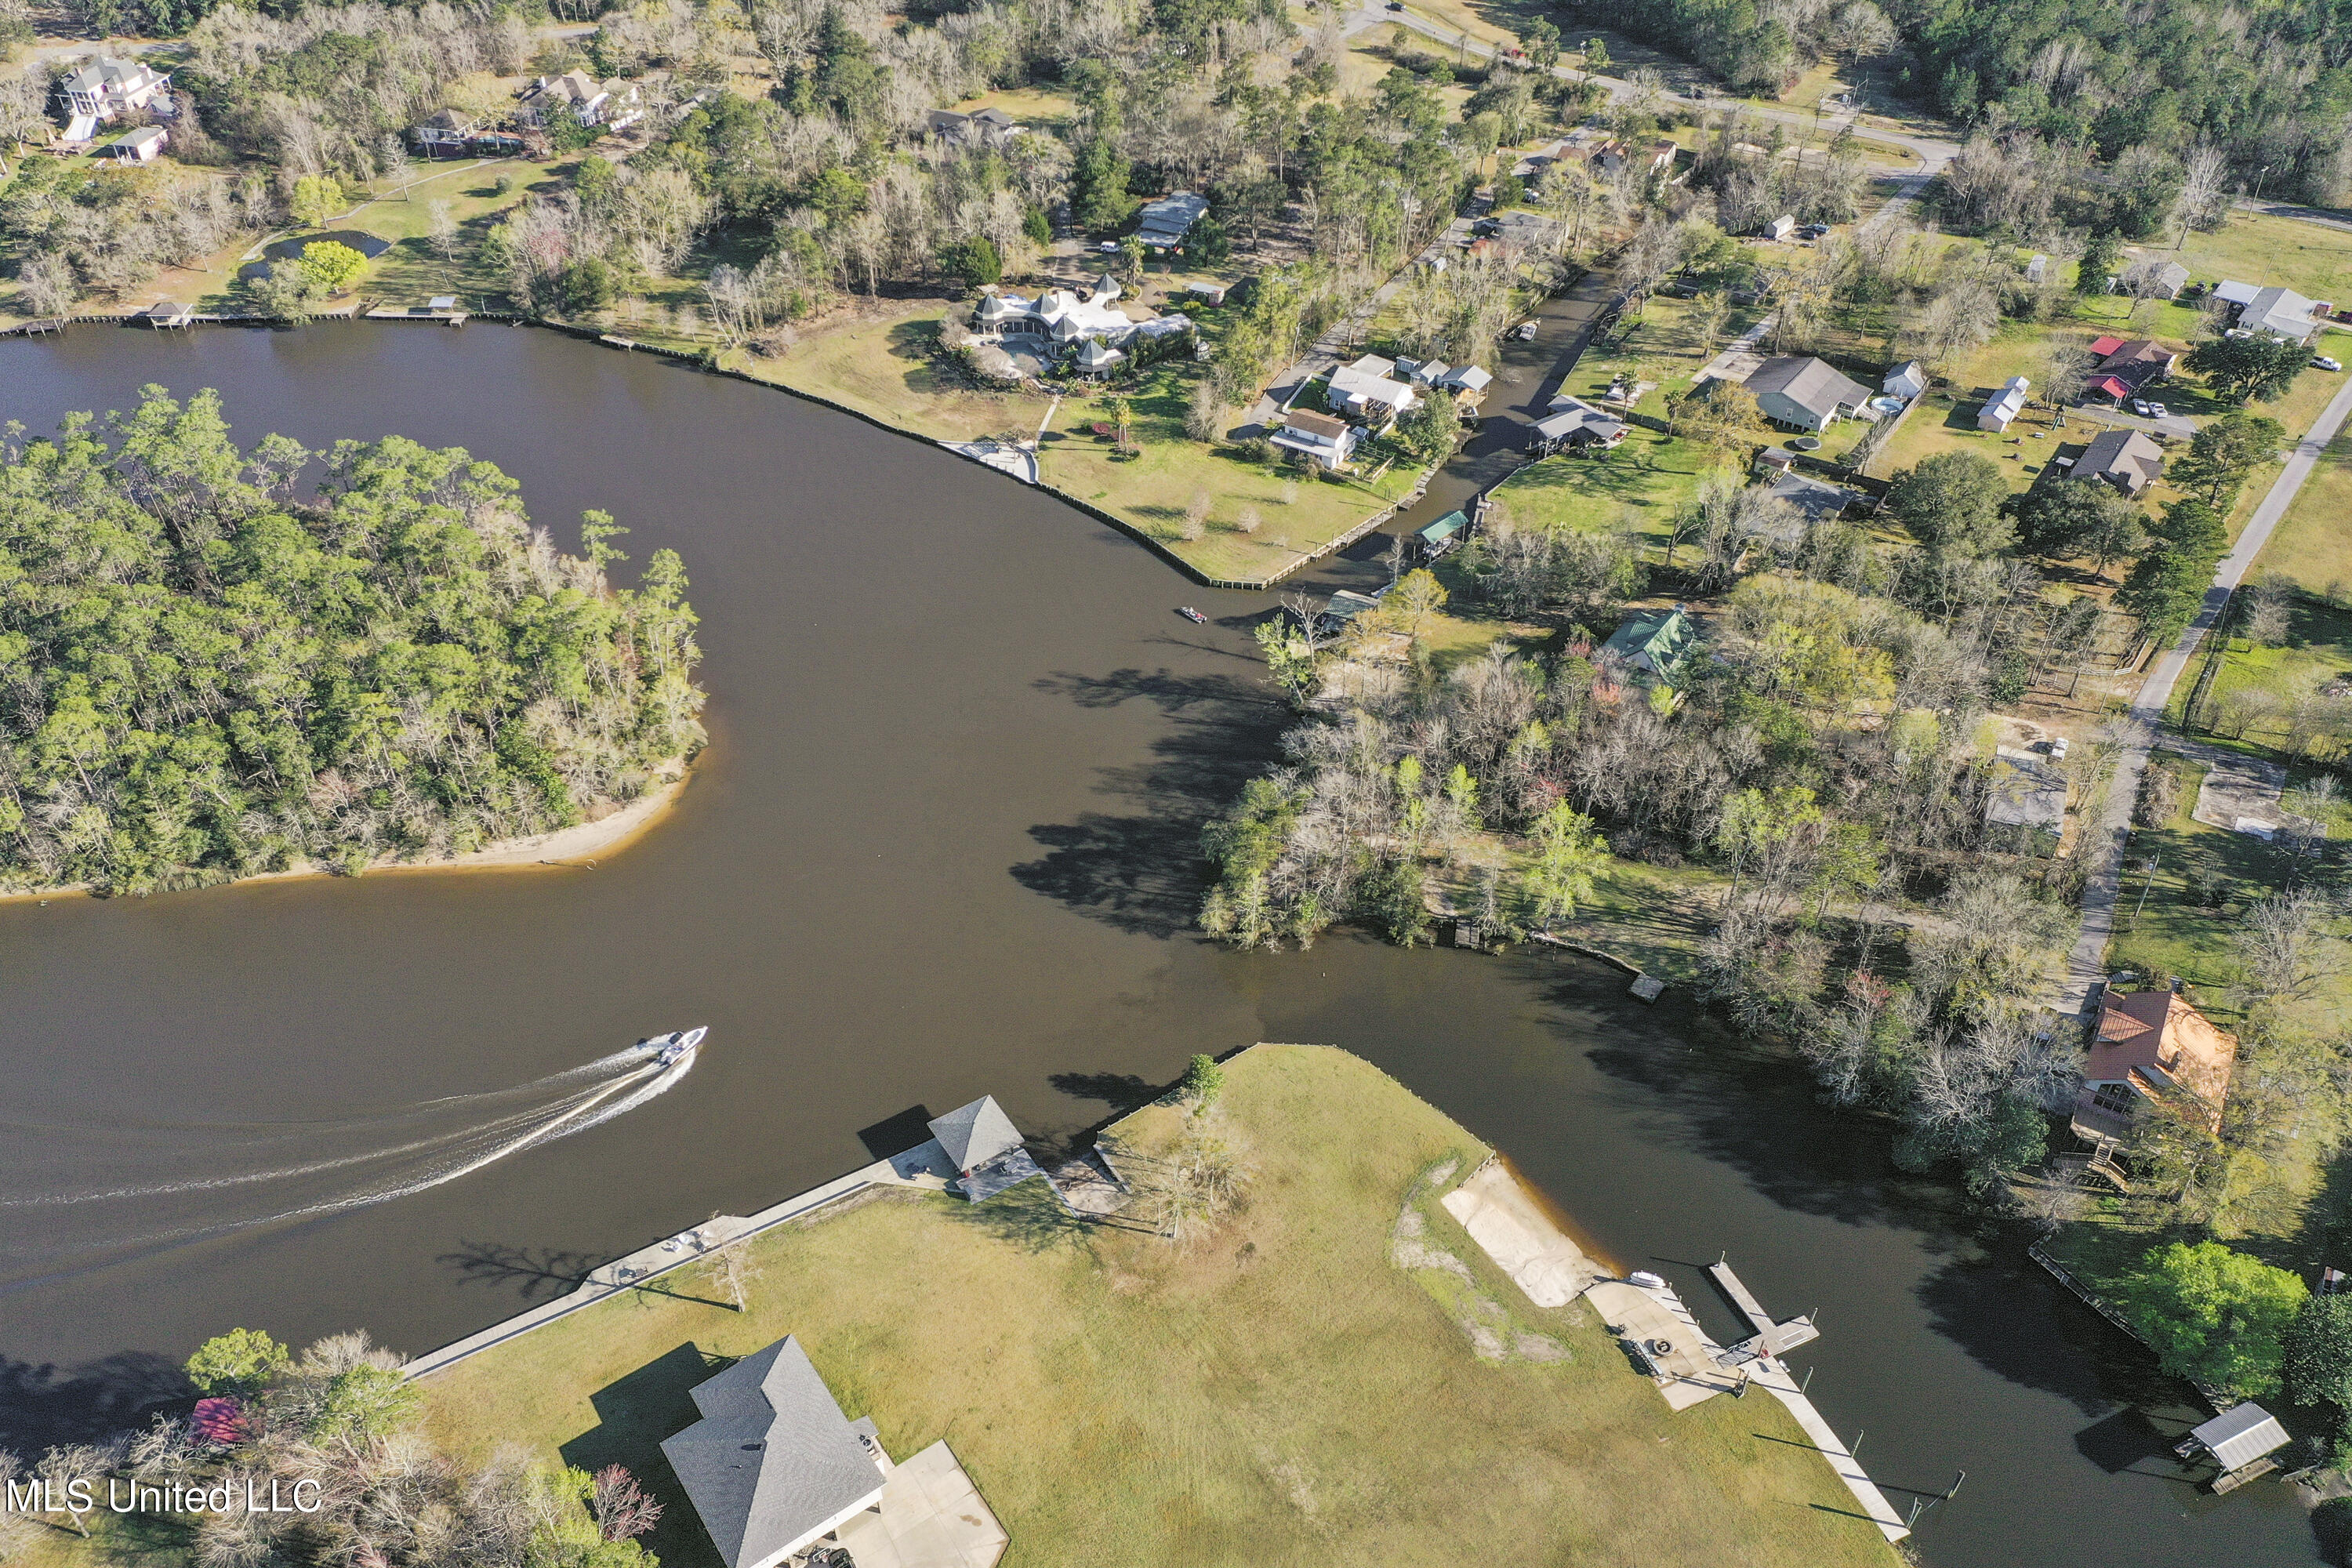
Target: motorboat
672	1049
1189	614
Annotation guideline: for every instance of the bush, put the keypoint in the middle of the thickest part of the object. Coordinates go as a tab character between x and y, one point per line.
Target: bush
1204	1082
238	1363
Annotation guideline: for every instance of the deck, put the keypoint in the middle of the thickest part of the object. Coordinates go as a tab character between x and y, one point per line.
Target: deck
1771	1339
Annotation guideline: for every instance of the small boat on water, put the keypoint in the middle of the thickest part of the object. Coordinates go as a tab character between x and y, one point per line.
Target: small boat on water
672	1049
1189	614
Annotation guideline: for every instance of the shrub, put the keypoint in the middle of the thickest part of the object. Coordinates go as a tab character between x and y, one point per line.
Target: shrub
1204	1082
240	1361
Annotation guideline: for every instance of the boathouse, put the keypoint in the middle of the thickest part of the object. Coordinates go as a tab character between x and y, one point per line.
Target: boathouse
984	1147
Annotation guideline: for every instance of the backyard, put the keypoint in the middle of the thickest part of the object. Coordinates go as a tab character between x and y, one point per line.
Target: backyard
1278	1392
1646	481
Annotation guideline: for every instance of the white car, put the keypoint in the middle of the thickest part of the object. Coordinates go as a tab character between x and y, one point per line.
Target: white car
2141	407
2158	411
2323	362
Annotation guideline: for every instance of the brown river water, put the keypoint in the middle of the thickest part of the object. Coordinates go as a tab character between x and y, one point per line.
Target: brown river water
943	844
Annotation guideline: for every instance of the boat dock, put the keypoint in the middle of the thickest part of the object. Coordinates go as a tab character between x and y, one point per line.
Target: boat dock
1771	1339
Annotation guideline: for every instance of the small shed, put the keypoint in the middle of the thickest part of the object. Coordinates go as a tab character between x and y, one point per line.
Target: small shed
2241	1440
2025	805
2004	405
1905	381
1781	228
442	302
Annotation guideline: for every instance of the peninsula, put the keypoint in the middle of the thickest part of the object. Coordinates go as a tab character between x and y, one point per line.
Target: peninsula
218	672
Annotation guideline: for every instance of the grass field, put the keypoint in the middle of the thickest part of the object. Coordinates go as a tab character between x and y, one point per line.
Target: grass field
1646	480
2313	541
2317	651
883	366
1279	1392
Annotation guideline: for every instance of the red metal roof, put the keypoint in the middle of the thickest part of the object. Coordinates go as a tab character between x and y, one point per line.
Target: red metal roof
2102	347
2112	388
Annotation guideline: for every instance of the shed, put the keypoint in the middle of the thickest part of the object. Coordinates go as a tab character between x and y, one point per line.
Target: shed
1781	228
1905	381
2025	807
2003	406
2238	1437
138	146
2037	270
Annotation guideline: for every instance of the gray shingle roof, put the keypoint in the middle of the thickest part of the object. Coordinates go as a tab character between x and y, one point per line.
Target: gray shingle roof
1810	383
974	1134
772	1458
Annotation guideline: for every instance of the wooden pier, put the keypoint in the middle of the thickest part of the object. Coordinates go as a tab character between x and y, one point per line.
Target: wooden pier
1771	1339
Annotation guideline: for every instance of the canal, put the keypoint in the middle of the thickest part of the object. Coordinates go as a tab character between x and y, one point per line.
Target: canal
943	844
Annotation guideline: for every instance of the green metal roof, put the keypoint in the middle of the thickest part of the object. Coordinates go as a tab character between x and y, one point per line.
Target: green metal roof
1655	640
1445	528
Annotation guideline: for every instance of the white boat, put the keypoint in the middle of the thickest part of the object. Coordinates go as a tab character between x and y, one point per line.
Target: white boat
673	1048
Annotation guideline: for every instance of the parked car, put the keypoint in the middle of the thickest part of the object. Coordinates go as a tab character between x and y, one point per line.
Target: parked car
2158	411
2139	407
1525	331
1814	230
2323	363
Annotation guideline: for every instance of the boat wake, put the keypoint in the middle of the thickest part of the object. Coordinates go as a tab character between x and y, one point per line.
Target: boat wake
181	1181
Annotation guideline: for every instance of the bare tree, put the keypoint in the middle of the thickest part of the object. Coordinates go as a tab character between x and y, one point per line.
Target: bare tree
441	229
620	1506
2284	949
2204	196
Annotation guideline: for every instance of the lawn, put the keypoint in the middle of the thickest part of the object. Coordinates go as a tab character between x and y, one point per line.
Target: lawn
1656	918
2312	544
1664	345
1647	478
2255	248
1278	1393
883	366
2317	651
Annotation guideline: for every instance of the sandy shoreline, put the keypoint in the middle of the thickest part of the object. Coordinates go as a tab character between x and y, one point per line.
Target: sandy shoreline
567	847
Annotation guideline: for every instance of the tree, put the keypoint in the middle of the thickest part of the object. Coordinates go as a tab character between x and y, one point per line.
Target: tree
2240	370
1596	58
1290	658
1541	42
441	230
238	1364
2065	520
973	261
2100	254
2318	1355
1952	503
1417	596
363	1401
2284	949
1207	244
621	1507
392	163
317	199
331	265
1558	875
2224	452
2213	1315
1204	1082
1430	429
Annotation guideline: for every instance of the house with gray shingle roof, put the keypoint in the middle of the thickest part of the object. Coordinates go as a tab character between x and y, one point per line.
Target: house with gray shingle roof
773	1466
1803	391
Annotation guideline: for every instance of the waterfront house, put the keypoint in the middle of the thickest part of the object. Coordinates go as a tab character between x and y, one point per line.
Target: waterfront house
2152	1046
611	104
446	133
986	128
107	87
1367	389
1905	381
773	1466
1162	225
1574	424
1650	646
1317	437
1063	322
140	146
984	1147
2025	805
2004	405
1804	393
2125	458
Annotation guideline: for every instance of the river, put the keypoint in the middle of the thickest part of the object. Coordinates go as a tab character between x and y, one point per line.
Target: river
942	845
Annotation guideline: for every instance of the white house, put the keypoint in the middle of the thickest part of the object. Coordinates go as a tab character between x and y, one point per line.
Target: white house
612	104
1905	381
1318	438
1089	326
446	133
2282	312
107	89
140	146
2003	406
1368	390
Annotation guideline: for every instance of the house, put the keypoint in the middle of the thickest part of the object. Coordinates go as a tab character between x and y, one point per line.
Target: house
984	1147
1162	225
2150	1044
773	1466
2125	458
1650	646
1326	441
2281	312
2153	280
1064	321
446	133
1804	393
2004	405
1439	537
1096	358
2127	369
1818	500
1781	228
2231	292
140	146
1571	422
611	104
1368	390
2025	807
987	128
1905	381
106	89
1661	155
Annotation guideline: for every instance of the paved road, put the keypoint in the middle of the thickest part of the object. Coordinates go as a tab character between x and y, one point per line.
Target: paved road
2085	965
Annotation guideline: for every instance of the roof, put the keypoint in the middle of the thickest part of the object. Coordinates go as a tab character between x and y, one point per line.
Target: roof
1817	498
1355	383
2026	791
1910	370
106	72
2005	404
1443	529
1468	377
2122	452
141	137
2280	310
2139	351
1654	640
1313	424
1168	219
1571	414
2235	293
2241	1434
773	1459
1812	384
974	1134
2114	386
2159	1030
2102	347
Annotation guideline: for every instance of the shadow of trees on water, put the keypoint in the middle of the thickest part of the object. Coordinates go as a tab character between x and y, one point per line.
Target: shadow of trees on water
43	1405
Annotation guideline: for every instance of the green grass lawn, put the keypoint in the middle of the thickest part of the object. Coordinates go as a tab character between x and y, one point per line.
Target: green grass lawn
883	366
2313	541
1277	1393
1647	478
2255	248
1656	918
1662	346
2317	650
